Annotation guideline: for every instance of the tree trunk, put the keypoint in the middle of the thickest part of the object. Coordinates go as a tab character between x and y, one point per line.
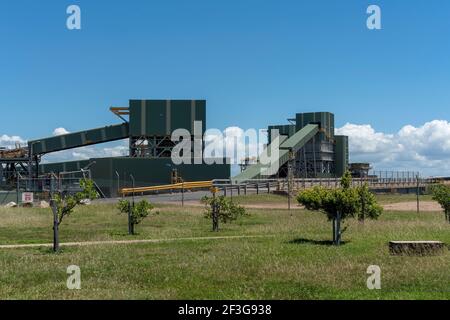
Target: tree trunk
215	218
363	211
55	227
338	229
130	221
333	222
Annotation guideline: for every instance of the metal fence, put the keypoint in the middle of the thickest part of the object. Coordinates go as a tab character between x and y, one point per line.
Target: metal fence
41	187
65	182
376	180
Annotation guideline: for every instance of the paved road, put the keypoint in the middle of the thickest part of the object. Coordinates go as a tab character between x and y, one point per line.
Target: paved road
177	197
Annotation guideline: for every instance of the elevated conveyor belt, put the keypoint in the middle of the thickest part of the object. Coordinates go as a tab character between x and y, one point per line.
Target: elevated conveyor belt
294	143
79	139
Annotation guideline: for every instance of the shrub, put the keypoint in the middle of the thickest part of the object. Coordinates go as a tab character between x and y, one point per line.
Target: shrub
136	212
222	209
441	194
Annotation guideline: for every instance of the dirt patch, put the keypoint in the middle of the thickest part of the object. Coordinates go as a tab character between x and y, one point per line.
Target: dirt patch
412	206
429	206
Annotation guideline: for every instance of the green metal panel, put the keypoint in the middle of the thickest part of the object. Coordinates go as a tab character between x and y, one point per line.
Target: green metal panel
286	130
156	114
135	117
162	117
79	139
300	138
150	171
146	171
182	115
342	155
200	113
104	176
9	196
63	166
324	119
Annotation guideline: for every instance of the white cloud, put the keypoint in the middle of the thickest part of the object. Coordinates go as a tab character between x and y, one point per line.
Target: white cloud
60	131
425	148
234	143
110	149
11	141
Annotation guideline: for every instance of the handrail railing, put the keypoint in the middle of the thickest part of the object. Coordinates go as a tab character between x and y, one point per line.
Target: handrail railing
278	184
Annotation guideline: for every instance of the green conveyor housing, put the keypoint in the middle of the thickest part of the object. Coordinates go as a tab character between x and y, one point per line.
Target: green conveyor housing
79	139
294	143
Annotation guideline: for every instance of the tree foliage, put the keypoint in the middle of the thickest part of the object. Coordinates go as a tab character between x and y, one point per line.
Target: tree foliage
222	209
64	204
341	203
347	200
138	212
367	206
441	194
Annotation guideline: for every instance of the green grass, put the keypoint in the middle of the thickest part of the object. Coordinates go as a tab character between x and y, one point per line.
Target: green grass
394	198
293	262
262	198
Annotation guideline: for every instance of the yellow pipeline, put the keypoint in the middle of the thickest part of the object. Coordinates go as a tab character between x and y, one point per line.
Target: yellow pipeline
175	186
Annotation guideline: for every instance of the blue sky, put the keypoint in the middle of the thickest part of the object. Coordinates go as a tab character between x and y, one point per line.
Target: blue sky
256	62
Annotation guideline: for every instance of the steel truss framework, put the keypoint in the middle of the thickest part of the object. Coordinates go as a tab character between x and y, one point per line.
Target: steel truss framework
314	160
11	169
151	147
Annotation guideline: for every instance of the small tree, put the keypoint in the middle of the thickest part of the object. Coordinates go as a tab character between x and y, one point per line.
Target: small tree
63	204
341	203
221	209
441	194
136	212
368	206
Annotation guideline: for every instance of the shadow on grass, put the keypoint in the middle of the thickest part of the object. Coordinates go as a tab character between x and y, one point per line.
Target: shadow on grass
314	242
123	234
49	251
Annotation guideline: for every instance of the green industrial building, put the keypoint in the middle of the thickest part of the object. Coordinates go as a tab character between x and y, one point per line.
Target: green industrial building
316	152
149	128
307	145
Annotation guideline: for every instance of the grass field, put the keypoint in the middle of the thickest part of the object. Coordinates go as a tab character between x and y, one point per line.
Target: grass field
292	261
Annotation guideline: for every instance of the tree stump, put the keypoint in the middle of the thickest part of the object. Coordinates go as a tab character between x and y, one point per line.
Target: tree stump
416	248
